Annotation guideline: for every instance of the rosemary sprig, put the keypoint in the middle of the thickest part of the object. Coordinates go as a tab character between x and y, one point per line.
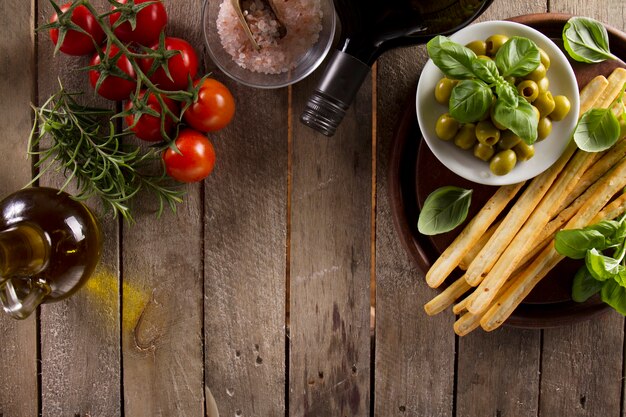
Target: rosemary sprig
86	147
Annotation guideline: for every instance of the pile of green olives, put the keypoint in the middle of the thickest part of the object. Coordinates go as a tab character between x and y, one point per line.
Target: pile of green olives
487	139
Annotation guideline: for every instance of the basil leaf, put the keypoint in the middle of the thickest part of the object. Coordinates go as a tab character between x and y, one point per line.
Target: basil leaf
574	243
608	228
453	59
485	70
586	40
506	92
614	295
597	130
444	209
584	285
601	267
470	100
520	119
517	57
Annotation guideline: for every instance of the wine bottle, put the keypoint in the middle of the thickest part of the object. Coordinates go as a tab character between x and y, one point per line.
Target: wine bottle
369	28
49	246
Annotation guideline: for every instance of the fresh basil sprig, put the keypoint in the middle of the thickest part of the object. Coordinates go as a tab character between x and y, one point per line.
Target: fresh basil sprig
599	129
586	40
444	209
603	247
481	79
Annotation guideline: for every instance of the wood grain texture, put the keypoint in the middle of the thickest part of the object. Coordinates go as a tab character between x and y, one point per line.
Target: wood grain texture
18	344
80	337
582	366
162	288
414	353
245	257
329	360
505	365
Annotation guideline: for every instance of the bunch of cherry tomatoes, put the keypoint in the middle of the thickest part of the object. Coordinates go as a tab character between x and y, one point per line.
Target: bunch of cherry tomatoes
133	60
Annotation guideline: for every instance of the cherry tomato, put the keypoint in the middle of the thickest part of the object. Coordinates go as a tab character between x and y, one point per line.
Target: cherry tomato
181	66
214	108
77	43
113	87
150	23
197	159
148	127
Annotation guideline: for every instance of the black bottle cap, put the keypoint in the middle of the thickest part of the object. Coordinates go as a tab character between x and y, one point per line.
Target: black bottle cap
341	81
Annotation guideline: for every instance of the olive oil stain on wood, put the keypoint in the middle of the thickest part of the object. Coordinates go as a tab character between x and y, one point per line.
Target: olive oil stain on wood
18	345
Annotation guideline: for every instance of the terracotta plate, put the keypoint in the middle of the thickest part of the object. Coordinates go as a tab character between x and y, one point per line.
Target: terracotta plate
414	172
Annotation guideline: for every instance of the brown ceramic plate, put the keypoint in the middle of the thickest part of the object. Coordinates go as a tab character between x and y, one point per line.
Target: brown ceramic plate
414	172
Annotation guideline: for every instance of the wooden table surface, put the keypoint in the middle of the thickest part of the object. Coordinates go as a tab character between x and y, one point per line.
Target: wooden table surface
257	297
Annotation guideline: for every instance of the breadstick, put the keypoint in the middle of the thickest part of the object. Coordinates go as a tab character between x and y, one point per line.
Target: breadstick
506	303
453	254
459	307
471	254
514	220
528	234
592	92
614	87
448	296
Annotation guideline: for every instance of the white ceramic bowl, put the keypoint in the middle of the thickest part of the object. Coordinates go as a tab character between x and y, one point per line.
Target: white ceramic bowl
463	163
304	66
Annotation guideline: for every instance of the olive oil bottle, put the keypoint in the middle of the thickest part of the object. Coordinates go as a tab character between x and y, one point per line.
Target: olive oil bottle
49	246
369	28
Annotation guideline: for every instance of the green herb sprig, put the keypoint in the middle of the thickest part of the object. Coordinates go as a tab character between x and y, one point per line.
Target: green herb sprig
471	97
603	247
444	209
586	40
86	147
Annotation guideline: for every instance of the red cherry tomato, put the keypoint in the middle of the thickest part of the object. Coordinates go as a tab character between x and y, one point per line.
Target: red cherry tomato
150	23
214	108
77	43
181	66
148	127
197	159
113	87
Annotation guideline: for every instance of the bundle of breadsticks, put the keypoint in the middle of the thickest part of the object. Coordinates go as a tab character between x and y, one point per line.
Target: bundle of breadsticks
504	255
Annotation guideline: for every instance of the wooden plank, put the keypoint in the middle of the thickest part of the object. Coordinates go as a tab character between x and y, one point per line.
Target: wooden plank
80	337
503	366
414	353
329	360
18	345
245	257
162	292
582	364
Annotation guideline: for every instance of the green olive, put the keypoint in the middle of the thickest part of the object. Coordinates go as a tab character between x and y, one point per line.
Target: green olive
528	89
487	133
443	90
561	108
524	151
494	42
478	47
544	103
503	162
537	74
544	127
543	84
485	57
545	58
466	136
446	127
508	140
510	79
484	152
